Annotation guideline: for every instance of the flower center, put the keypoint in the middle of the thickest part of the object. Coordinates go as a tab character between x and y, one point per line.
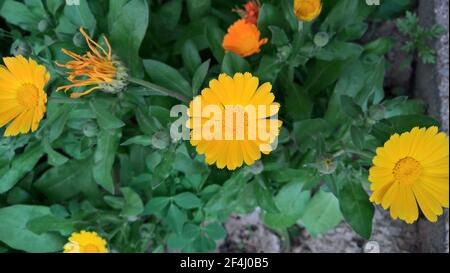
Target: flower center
28	95
90	249
407	170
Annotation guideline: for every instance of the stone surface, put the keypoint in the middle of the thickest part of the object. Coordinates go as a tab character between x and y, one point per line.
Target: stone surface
388	235
246	234
432	85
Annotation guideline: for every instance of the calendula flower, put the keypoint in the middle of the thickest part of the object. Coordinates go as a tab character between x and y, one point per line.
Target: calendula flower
411	170
243	38
250	12
232	121
98	69
22	96
85	242
307	10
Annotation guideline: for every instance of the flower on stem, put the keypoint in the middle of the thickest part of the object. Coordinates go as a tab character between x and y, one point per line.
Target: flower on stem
98	69
85	242
232	122
411	171
243	38
22	96
307	10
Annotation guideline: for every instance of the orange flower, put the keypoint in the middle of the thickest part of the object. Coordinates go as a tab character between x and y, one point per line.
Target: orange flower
250	12
243	38
97	68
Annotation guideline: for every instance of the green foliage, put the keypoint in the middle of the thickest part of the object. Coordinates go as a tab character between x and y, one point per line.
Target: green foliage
107	163
419	37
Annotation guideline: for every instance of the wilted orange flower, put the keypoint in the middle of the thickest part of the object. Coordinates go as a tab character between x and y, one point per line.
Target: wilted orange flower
243	38
97	68
250	12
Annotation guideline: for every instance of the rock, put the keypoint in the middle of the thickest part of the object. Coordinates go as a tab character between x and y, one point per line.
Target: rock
247	234
432	85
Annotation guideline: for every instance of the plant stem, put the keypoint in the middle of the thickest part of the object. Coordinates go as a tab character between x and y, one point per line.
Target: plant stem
351	151
159	89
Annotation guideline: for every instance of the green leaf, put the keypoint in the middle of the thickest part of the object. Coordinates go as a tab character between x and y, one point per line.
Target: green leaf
187	200
358	211
264	196
215	37
215	231
66	181
191	57
156	205
127	33
167	76
279	37
175	218
357	135
322	213
76	16
384	129
20	15
306	132
233	63
199	77
351	108
15	234
133	203
105	119
291	202
288	11
54	158
107	144
322	74
198	8
51	223
21	165
169	13
268	69
114	202
138	140
338	50
54	5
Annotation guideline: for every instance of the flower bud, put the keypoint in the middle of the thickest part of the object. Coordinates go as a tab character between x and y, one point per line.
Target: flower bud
256	168
20	47
120	81
321	39
326	165
43	25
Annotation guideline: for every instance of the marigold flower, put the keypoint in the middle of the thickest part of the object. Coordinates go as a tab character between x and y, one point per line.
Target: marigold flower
250	12
412	169
85	242
231	121
22	96
98	68
243	38
307	10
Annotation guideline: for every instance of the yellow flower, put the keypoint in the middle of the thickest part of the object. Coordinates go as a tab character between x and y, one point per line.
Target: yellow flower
412	169
232	121
243	38
307	10
85	242
22	95
97	68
